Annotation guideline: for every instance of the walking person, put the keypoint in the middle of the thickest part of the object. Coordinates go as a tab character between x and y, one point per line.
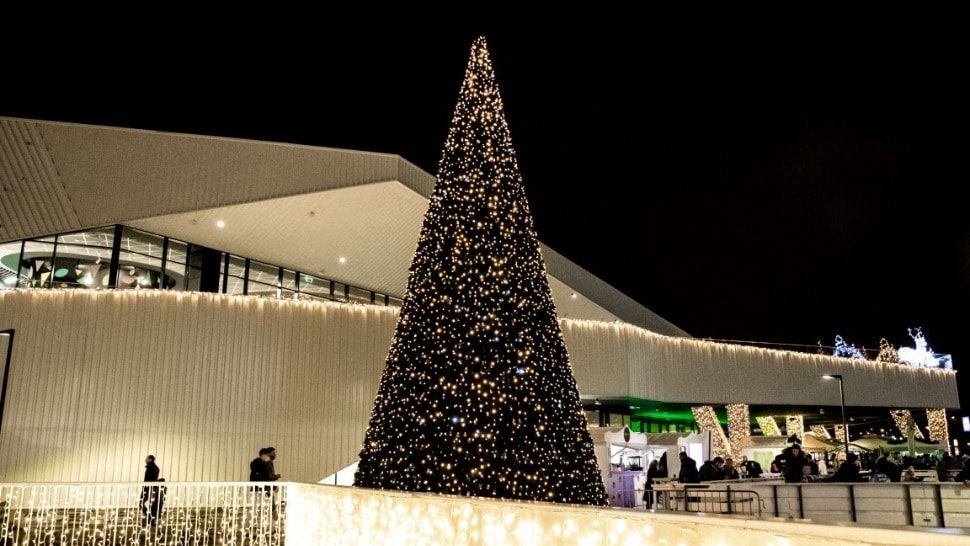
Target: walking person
270	467
149	493
259	469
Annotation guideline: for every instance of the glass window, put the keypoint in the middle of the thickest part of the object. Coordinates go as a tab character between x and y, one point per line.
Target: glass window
175	265
339	293
237	267
359	295
79	266
315	287
237	271
193	269
100	237
289	280
263	273
147	244
396	302
10	264
36	264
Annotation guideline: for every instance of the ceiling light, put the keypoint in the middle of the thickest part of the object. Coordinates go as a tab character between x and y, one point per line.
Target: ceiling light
220	224
342	260
573	295
10	281
597	402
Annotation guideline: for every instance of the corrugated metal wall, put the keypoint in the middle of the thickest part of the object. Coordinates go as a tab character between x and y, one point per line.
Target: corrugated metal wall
32	196
61	176
100	379
680	369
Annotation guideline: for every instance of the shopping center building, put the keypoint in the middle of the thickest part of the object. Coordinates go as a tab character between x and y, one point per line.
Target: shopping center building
199	298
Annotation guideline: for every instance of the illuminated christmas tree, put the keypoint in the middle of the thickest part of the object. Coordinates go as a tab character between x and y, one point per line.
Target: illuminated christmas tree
887	353
478	397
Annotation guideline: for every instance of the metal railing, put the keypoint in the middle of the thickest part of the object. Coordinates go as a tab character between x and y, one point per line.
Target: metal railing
700	498
156	513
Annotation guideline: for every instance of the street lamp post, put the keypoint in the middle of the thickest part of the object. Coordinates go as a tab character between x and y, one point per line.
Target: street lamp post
845	426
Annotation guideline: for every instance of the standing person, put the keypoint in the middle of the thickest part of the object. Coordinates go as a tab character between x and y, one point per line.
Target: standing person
653	472
149	493
259	468
271	470
752	468
688	470
711	470
794	463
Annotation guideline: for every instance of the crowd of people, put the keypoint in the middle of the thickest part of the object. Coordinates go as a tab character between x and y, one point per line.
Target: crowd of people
796	466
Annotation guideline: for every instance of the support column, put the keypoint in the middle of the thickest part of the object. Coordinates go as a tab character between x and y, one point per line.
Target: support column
821	431
840	433
769	427
904	419
707	419
795	424
938	427
739	429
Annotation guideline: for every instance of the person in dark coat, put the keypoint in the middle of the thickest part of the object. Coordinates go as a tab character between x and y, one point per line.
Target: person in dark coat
885	466
270	464
729	470
711	470
653	472
156	500
752	469
149	493
688	470
795	461
849	471
259	469
964	474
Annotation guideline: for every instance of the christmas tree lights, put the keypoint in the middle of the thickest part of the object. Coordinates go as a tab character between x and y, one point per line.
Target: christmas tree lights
887	353
478	397
844	350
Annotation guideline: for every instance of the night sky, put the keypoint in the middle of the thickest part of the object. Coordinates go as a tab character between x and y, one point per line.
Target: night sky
780	185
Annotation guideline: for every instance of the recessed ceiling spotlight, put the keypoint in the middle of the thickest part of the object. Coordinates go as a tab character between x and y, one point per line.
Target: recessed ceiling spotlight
342	260
573	295
220	224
